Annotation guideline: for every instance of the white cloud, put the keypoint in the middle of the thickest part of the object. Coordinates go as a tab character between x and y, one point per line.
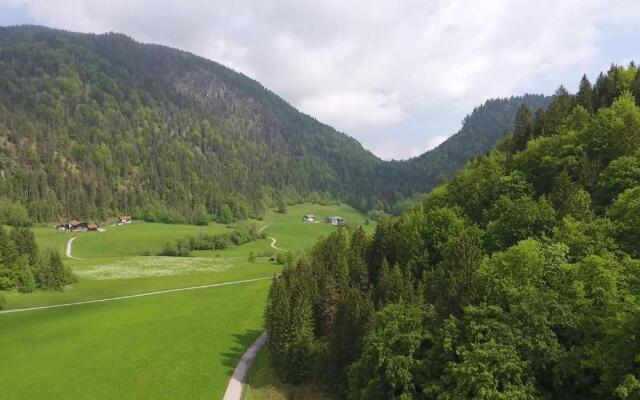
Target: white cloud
365	64
354	109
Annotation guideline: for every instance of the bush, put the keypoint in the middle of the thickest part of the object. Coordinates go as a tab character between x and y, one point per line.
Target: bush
3	301
283	258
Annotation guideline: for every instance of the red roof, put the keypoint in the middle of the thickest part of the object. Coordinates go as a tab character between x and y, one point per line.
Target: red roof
124	217
92	226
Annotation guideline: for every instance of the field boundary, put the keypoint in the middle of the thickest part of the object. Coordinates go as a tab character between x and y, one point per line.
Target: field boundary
133	296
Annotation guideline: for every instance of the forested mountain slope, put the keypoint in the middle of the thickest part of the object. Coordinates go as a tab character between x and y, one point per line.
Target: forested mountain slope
95	123
519	278
480	132
91	125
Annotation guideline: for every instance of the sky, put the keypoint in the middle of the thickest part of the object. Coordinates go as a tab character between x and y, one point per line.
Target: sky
399	75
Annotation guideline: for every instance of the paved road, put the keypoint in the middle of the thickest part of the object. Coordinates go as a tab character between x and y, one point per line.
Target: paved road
69	243
133	296
234	389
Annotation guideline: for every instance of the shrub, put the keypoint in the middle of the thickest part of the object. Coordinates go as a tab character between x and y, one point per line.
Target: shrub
5	283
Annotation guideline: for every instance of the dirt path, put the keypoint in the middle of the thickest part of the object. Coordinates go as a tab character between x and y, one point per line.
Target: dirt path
69	243
238	379
273	243
133	296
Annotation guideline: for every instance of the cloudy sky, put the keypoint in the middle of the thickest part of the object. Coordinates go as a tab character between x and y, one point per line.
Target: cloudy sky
397	75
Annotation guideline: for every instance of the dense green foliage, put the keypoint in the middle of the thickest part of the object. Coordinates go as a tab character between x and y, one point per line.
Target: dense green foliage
221	241
94	125
22	267
519	278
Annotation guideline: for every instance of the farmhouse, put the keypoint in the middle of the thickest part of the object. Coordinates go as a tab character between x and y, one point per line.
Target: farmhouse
77	226
309	218
335	220
124	219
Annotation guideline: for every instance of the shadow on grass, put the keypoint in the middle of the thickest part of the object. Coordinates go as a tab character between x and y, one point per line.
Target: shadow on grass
263	384
241	342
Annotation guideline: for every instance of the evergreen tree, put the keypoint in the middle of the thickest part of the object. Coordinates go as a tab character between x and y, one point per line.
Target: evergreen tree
345	344
558	110
539	122
584	97
635	88
25	242
523	131
53	275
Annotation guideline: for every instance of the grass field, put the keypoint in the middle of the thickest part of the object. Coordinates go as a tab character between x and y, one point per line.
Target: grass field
293	234
172	345
134	239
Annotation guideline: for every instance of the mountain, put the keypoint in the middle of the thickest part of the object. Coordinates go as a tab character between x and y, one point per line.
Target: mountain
92	125
479	134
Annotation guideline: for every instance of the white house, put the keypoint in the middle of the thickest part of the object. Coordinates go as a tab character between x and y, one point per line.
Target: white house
309	218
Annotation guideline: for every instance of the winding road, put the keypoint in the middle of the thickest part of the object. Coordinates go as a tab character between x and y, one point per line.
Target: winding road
238	379
273	240
69	243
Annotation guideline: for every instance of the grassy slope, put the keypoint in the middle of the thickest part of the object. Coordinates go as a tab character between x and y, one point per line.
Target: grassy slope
293	234
176	345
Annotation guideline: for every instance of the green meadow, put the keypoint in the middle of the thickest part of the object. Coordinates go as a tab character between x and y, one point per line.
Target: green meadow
182	344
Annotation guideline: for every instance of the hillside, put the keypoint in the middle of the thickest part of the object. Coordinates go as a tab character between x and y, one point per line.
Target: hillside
479	134
92	125
518	278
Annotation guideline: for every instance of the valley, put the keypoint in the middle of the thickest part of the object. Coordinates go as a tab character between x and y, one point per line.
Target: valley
160	211
175	343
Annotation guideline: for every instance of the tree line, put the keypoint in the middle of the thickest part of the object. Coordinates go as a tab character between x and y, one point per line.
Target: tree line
24	268
240	234
518	278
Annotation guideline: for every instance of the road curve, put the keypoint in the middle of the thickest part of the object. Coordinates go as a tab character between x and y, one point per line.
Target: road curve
238	379
273	243
133	296
69	243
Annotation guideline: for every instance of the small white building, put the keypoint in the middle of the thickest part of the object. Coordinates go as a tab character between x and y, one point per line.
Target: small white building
309	218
